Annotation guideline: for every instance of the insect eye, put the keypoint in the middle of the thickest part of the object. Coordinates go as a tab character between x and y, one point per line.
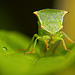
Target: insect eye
61	26
41	26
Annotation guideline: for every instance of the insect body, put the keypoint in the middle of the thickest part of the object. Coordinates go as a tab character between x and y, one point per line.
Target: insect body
50	27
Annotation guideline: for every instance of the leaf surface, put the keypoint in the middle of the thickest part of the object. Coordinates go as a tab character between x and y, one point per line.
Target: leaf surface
16	63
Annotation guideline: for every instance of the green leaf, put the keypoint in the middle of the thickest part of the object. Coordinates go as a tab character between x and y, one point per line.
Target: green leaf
13	62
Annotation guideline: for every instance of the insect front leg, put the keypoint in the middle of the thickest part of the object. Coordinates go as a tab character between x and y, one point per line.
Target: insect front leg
35	36
47	45
65	45
35	42
68	38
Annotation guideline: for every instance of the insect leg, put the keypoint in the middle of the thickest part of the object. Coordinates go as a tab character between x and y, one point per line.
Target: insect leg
35	35
56	45
47	45
68	38
65	45
35	42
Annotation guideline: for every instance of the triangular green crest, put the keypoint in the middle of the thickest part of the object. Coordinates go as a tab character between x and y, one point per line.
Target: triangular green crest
51	19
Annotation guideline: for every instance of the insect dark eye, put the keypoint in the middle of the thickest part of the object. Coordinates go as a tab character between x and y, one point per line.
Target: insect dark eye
41	27
61	27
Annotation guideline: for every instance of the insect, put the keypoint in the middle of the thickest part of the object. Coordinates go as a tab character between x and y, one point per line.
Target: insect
50	25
